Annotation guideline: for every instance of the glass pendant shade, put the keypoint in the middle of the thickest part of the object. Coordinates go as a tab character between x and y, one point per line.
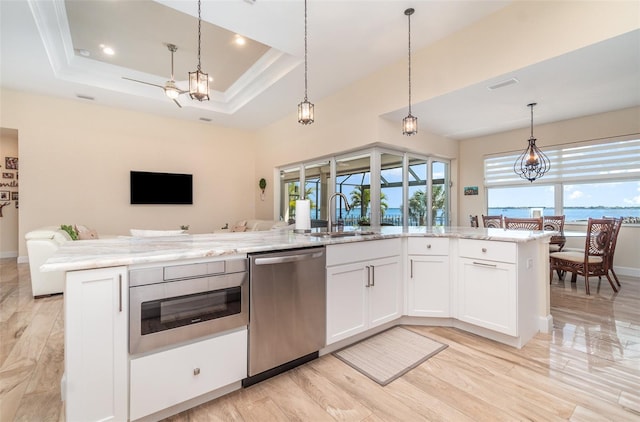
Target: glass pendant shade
532	164
305	112
199	85
410	125
198	80
171	90
305	108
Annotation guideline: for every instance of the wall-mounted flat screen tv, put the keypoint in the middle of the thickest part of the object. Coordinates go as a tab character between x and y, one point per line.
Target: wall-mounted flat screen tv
161	188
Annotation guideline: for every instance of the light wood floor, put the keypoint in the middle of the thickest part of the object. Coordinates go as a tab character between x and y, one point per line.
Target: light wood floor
587	369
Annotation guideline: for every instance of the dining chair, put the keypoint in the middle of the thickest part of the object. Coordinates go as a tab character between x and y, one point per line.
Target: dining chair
555	223
612	248
473	220
492	221
523	223
594	261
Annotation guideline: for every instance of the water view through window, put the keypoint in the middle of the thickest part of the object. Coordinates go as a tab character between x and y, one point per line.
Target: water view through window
579	201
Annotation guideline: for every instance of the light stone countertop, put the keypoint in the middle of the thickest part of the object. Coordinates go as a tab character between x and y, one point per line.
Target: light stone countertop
101	253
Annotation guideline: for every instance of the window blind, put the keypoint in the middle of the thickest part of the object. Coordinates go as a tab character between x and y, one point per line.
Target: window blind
572	163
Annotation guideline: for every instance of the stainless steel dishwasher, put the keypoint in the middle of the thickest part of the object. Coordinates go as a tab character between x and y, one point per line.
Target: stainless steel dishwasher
287	310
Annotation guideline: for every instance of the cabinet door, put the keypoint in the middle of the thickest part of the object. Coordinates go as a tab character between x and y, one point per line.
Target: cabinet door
96	318
429	286
487	295
385	290
346	301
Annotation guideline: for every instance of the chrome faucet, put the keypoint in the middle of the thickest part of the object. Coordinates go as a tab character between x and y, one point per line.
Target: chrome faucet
329	213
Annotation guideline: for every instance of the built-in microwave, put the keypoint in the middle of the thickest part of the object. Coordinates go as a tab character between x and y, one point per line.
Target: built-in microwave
174	304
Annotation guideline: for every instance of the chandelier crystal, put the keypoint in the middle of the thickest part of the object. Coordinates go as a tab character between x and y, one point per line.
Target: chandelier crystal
305	108
198	80
532	164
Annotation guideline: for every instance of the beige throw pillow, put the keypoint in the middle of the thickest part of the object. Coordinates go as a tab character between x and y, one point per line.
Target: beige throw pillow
85	233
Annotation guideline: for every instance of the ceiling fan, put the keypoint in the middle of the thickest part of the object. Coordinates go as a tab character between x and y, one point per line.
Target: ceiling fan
170	88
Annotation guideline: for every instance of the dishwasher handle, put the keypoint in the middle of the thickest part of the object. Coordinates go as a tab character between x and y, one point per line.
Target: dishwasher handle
288	258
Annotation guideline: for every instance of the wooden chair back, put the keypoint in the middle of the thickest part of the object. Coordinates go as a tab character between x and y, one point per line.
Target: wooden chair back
473	220
599	238
617	223
555	223
492	221
523	223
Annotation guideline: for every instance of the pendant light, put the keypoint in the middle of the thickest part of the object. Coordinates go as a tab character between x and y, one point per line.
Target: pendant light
305	108
409	123
532	163
198	80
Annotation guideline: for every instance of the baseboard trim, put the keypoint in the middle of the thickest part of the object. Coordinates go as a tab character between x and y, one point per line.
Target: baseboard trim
545	324
10	254
23	260
627	271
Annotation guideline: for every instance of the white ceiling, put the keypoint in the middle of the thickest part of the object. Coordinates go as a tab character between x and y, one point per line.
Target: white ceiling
264	81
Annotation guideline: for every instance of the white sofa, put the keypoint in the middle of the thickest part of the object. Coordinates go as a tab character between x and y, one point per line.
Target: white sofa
41	244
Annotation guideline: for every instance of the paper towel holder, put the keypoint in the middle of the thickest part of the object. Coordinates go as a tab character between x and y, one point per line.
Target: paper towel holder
263	185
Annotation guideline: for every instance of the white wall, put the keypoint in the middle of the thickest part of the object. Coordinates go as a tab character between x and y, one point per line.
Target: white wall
75	159
605	125
9	219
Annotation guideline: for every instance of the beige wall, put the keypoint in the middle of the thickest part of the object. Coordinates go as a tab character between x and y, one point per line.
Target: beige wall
75	160
519	35
606	125
9	219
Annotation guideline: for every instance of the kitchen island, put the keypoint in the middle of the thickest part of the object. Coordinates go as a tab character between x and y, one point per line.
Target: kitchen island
492	282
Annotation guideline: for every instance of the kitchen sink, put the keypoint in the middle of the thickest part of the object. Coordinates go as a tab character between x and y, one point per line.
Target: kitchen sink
341	234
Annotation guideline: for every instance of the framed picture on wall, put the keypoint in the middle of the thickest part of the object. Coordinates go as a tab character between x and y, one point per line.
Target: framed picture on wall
470	190
11	163
5	195
14	196
7	175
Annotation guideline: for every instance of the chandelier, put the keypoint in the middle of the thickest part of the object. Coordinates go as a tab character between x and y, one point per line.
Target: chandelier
409	123
198	80
532	164
305	108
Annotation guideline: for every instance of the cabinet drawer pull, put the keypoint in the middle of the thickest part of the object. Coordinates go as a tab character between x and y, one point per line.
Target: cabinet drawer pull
196	371
484	250
119	292
411	268
373	275
429	246
368	276
484	264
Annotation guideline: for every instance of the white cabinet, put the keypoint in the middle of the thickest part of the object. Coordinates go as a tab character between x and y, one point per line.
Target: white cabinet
96	355
364	286
488	285
428	277
167	378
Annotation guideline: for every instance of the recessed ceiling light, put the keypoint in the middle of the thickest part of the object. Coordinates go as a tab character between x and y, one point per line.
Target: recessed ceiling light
502	84
239	40
107	50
